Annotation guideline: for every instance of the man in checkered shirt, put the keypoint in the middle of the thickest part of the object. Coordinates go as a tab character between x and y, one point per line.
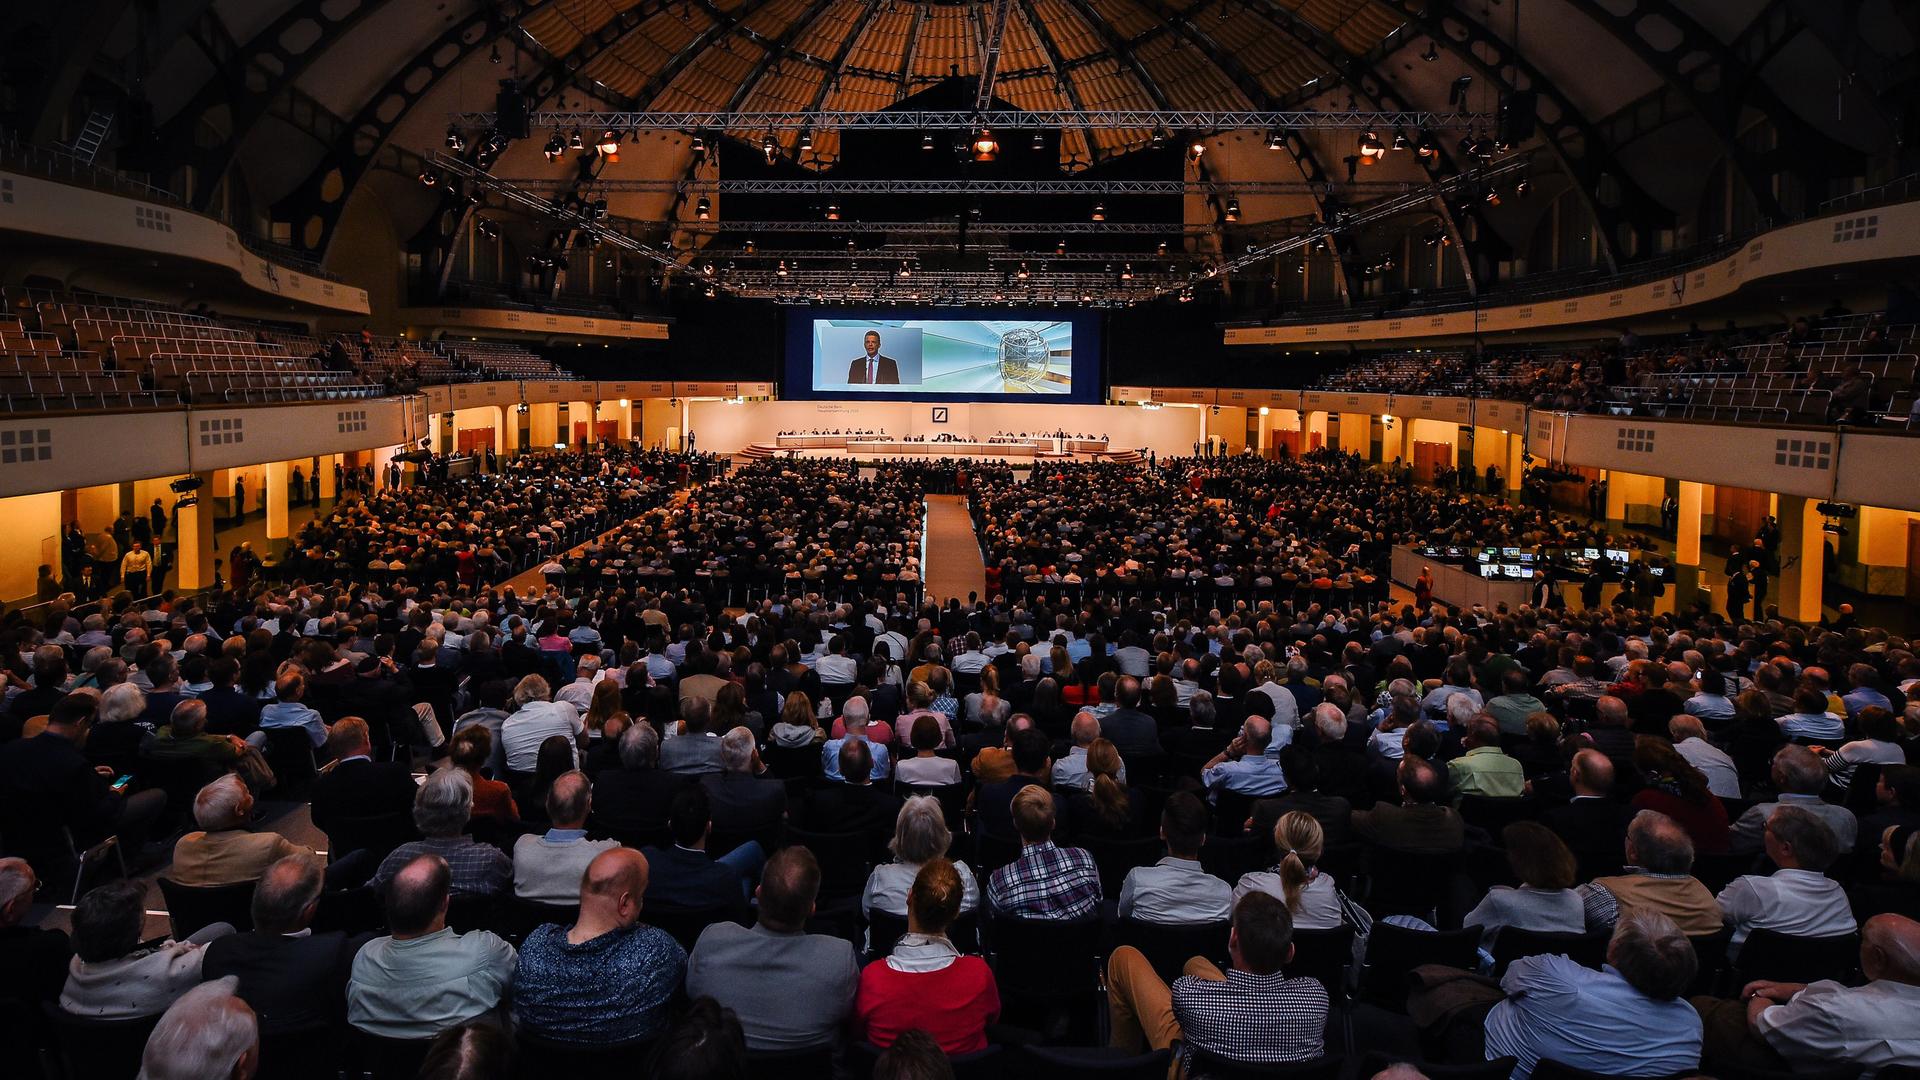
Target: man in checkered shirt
1045	882
1252	1013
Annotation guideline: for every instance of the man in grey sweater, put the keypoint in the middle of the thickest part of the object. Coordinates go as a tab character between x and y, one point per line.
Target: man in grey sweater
792	990
547	867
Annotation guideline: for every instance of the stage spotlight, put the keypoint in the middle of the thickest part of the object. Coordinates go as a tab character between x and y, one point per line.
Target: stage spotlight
1427	147
1099	211
1039	140
600	207
699	148
1196	148
1233	208
747	246
1159	137
454	142
833	211
770	148
806	141
1433	51
1060	247
985	146
1399	140
710	291
1126	272
703	209
1276	140
427	178
1371	149
1457	92
1022	275
1492	197
782	271
1162	249
575	142
926	140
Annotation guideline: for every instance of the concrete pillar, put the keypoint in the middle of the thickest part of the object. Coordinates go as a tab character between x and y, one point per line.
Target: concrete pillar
1802	578
193	558
1261	447
326	463
623	412
509	430
31	537
278	472
1616	494
1687	541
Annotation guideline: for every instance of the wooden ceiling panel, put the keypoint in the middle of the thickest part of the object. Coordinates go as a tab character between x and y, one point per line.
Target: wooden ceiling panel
824	35
1071	34
884	42
1128	19
560	26
1188	77
946	43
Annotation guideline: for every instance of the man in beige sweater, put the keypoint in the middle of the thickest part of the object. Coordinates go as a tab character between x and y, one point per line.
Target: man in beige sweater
224	851
1658	877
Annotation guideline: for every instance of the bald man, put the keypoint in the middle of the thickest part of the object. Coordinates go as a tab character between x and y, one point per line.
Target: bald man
607	979
1593	823
424	978
1244	766
1783	1026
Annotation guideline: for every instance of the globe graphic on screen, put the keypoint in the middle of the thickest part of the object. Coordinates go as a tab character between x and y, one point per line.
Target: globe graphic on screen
1023	356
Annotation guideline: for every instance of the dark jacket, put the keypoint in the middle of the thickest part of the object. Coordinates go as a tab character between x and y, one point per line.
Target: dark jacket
746	806
362	789
293	983
691	879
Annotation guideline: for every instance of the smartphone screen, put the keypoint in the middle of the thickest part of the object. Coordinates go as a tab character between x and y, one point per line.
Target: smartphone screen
121	784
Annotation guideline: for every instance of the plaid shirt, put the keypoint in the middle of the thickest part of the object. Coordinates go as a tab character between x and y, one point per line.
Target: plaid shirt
1046	882
477	869
1253	1018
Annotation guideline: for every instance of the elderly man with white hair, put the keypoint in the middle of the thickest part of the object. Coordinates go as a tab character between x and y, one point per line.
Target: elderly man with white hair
441	810
579	692
547	866
535	719
35	958
208	1034
744	804
854	718
1070	772
224	851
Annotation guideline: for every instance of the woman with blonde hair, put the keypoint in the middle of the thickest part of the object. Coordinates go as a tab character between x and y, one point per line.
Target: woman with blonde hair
985	708
797	726
1310	895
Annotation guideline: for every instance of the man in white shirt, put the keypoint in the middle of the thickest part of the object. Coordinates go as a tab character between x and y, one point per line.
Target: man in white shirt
1286	707
837	668
1782	1026
1131	659
1690	739
579	692
1798	899
1799	777
535	719
1175	889
1070	772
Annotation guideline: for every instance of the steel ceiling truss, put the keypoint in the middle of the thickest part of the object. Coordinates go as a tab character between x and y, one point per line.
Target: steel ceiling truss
914	254
1193	120
1063	186
1607	190
1719	91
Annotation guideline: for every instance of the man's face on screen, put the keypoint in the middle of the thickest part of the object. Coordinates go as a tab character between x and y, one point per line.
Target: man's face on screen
873	343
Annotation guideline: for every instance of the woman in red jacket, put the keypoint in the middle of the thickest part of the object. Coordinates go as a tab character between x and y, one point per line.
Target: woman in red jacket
925	983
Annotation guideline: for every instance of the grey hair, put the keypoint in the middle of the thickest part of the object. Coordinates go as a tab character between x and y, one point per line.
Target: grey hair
1461	710
121	701
532	688
588	666
736	750
1030	665
1401	688
1652	954
284	892
855	712
444	803
94	657
1201	709
204	1033
1330	721
16	879
1659	843
639	747
217	806
189	718
920	832
1800	770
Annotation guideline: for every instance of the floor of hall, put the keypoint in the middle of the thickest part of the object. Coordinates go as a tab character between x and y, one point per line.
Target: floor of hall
951	562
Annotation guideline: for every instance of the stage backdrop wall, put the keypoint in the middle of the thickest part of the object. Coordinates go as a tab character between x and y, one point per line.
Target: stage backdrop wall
727	428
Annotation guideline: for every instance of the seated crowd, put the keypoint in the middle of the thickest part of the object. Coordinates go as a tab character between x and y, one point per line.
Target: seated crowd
612	816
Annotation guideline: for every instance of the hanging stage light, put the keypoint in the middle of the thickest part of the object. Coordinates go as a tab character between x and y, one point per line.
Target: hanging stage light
985	146
770	148
1276	140
1099	211
1233	208
1371	149
703	208
454	142
575	142
554	148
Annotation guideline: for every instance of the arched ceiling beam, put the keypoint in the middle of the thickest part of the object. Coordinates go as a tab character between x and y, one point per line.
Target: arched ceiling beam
76	32
1718	92
840	54
776	50
1363	78
1117	46
913	45
1257	96
1575	142
1061	77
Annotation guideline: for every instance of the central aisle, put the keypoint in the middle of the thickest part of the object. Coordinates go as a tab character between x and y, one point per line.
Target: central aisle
953	566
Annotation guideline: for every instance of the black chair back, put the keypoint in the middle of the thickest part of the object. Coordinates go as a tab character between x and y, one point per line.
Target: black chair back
467	913
1512	943
523	917
885	929
1394	951
1202	1065
992	852
952	798
792	763
377	834
381	1058
1091	1063
1493	814
180	777
1408	883
1716	871
1048	971
845	858
1324	955
988	1064
540	1058
1168	946
1777	957
289	753
1116	857
98	1049
815	1063
307	1054
685	924
1229	858
351	911
1231	809
1711	951
191	907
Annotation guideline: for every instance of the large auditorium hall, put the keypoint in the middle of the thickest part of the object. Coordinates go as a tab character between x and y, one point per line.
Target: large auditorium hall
960	540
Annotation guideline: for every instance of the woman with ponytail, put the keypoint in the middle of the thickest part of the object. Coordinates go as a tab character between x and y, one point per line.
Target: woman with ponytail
1311	897
1105	809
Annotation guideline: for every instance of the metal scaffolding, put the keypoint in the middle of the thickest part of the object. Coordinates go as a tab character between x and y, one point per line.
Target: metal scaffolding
1173	121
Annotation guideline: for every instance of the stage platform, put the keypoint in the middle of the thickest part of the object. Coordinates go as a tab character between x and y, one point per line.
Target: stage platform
857	449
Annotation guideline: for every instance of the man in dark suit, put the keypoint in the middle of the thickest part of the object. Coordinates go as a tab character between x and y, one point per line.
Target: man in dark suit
685	876
1131	731
230	711
47	783
294	980
854	804
358	787
1422	823
33	958
745	806
1593	823
639	794
873	369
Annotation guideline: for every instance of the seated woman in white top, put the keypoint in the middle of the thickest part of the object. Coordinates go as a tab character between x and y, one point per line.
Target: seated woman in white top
1311	896
112	975
926	767
920	833
1545	901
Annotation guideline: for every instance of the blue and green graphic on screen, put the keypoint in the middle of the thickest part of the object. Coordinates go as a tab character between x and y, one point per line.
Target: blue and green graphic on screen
943	356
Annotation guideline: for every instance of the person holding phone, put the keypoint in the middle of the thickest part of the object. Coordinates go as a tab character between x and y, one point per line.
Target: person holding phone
49	774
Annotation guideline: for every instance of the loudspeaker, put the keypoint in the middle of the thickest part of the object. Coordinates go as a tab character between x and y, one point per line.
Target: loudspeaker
1517	119
510	112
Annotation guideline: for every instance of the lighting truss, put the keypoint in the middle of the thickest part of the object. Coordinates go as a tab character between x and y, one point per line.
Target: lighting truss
896	253
975	187
1008	119
929	228
583	221
1380	211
